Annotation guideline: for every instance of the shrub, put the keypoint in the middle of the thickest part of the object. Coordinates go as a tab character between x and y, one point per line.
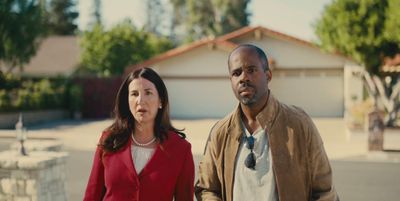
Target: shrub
18	94
75	98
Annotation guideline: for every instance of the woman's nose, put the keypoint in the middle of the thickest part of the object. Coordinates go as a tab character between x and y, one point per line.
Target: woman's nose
140	99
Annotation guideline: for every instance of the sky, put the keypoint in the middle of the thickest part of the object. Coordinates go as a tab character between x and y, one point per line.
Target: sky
292	17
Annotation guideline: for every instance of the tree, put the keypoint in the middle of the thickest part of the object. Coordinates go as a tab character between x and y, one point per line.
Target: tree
367	31
210	17
357	29
96	14
179	13
155	14
61	17
21	27
392	22
107	53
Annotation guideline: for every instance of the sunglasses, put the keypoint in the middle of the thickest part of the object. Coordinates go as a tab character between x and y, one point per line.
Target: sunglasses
250	161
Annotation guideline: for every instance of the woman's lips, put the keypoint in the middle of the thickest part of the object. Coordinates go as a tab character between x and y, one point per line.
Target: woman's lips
142	110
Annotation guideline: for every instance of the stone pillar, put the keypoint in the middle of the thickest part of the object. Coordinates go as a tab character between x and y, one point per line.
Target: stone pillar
40	176
376	129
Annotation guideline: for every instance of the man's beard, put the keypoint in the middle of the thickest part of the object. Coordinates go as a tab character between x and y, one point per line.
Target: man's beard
249	101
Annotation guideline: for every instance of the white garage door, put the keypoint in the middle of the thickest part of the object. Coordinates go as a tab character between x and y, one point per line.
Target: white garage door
319	93
200	97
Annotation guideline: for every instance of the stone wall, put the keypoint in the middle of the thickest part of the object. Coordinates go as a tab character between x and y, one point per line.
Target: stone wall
8	120
40	176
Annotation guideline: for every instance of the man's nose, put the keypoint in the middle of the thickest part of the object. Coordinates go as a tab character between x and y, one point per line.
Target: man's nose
244	77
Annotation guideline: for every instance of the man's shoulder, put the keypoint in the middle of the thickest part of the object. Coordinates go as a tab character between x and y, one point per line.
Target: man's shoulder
223	123
294	111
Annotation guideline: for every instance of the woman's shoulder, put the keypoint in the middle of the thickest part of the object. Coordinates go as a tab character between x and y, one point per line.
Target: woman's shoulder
174	139
104	135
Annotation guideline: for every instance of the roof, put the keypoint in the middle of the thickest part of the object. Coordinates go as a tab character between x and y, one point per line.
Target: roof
57	55
269	32
223	42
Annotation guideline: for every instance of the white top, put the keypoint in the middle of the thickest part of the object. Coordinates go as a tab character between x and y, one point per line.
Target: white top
258	184
140	156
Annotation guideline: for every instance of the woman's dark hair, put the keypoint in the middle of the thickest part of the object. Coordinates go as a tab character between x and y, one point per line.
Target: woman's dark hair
124	122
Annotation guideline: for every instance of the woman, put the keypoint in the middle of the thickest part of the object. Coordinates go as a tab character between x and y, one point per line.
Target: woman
141	156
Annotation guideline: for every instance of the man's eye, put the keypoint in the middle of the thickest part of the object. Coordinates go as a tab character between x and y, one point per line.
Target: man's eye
235	73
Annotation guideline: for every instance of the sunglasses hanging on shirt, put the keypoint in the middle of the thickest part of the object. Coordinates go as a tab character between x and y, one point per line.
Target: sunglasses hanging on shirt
250	161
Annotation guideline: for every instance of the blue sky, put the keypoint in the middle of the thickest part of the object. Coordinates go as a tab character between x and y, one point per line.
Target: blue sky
293	17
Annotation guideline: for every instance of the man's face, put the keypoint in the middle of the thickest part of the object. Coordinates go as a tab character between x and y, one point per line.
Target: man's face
248	79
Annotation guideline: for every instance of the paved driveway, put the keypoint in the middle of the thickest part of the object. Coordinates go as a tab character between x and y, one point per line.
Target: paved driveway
358	175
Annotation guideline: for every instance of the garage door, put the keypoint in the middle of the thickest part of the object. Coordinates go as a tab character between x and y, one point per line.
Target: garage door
200	97
319	92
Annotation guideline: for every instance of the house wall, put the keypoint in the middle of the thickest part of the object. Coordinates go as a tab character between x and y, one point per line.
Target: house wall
199	85
318	92
200	97
203	61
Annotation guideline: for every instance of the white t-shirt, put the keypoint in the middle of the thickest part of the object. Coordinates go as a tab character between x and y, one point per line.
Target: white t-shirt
258	184
141	156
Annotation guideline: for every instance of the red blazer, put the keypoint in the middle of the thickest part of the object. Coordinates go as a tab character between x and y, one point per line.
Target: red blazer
169	174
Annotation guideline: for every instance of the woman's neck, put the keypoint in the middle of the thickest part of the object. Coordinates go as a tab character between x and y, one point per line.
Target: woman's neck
144	132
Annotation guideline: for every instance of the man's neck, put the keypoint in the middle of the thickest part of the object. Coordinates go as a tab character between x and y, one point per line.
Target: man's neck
249	114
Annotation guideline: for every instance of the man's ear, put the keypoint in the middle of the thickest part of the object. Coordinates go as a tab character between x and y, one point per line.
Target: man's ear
268	73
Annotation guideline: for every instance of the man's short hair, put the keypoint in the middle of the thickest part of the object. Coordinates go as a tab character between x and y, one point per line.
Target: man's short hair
261	54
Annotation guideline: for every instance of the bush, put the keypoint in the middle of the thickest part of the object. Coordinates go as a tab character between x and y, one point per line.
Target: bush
75	98
29	94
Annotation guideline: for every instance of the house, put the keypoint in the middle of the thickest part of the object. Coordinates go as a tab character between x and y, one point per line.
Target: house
197	79
57	55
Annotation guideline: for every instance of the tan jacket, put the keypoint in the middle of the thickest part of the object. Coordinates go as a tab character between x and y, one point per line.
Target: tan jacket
300	164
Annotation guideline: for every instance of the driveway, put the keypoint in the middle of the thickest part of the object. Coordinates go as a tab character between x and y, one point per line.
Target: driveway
358	174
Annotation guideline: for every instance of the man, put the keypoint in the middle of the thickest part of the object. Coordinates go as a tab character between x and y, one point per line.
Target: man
264	150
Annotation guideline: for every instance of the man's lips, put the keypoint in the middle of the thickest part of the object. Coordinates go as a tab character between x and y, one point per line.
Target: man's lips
245	90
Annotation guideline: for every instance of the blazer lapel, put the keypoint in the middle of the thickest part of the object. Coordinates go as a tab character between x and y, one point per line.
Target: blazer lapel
159	158
125	156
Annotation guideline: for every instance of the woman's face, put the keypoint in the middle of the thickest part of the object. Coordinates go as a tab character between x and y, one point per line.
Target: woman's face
144	100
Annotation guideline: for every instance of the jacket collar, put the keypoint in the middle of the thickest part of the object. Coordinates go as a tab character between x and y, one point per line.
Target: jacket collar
265	118
268	115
